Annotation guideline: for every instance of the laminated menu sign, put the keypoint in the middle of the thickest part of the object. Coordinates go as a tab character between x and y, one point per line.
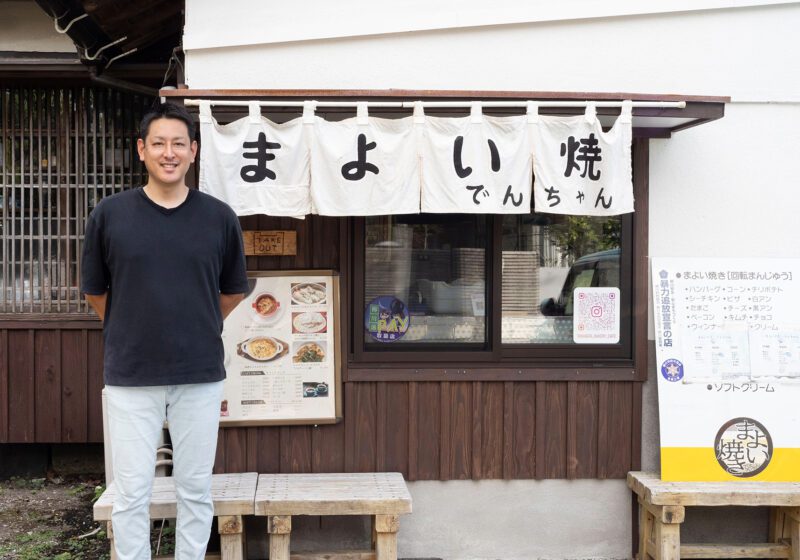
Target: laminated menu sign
281	352
727	334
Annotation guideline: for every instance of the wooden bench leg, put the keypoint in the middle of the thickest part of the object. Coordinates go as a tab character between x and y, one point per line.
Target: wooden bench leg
645	532
791	517
668	541
231	537
775	524
386	527
110	533
279	528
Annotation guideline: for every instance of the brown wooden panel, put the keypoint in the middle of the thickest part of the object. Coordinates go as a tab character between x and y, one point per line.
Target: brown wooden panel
47	382
461	431
362	426
395	414
327	448
3	386
413	431
74	385
295	449
235	450
491	421
636	427
265	454
428	431
477	430
325	242
618	459
219	459
508	430
21	390
444	430
94	362
524	419
551	430
381	397
603	403
641	186
582	430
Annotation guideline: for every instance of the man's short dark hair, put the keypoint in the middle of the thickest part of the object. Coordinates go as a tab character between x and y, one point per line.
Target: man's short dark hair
166	111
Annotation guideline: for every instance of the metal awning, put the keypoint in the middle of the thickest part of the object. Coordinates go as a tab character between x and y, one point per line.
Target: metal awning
648	121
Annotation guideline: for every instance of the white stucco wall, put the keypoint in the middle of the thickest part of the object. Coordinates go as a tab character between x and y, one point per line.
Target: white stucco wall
721	189
24	27
747	53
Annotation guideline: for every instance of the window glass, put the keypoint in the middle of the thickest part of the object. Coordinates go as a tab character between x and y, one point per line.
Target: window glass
545	257
425	280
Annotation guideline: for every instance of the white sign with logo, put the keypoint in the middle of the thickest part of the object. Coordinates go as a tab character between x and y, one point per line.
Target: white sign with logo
728	359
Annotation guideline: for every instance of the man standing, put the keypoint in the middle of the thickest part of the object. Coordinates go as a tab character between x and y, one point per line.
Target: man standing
163	265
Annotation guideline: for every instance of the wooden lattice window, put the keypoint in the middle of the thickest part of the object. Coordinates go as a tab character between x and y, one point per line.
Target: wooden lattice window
61	151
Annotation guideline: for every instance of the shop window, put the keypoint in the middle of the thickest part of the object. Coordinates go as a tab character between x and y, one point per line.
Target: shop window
61	151
545	257
485	288
429	270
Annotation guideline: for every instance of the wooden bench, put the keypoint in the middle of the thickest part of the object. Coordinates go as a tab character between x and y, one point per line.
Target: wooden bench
233	496
381	495
662	510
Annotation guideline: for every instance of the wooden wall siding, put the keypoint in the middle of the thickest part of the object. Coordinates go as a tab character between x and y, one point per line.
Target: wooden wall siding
51	379
50	384
451	431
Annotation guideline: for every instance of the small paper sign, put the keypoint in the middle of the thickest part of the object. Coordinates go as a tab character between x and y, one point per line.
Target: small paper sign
596	316
386	318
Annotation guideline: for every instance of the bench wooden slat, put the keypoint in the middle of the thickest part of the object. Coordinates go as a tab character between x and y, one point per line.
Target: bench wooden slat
334	555
754	550
232	494
332	494
735	493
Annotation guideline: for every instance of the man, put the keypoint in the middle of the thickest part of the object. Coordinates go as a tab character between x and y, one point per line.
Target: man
162	266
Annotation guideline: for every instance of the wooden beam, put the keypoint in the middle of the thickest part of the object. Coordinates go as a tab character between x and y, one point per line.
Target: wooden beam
750	550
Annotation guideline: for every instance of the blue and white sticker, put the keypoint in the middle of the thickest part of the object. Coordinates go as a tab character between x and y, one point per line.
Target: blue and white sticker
672	370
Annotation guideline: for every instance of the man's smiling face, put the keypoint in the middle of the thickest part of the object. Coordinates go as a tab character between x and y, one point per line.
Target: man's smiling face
167	151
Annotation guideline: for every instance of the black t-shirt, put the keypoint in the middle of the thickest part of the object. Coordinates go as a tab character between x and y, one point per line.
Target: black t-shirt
163	269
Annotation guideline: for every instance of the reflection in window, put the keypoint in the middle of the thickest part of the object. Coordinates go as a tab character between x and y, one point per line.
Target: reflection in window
545	257
431	269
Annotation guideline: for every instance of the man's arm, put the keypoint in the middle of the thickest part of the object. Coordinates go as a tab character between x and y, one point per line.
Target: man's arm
228	302
98	303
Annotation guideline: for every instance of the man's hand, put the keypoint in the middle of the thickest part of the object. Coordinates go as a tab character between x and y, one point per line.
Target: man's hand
98	303
228	302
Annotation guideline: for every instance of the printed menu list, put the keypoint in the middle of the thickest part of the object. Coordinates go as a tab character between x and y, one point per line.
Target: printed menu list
279	349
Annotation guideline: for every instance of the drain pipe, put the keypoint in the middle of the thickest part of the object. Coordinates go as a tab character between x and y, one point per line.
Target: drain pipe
119	84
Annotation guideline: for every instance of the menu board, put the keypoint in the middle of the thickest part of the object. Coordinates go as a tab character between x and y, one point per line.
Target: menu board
281	351
728	360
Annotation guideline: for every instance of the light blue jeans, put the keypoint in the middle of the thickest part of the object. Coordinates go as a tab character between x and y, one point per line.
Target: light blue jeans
136	417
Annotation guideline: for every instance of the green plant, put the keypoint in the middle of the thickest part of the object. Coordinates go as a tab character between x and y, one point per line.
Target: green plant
98	491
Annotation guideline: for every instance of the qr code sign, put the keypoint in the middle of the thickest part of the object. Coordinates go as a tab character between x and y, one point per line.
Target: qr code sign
596	318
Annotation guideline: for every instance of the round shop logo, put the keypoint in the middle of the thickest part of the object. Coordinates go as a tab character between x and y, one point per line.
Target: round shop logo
672	370
386	318
743	447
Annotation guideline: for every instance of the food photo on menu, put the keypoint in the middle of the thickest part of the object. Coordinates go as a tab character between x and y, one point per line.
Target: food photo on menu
312	389
262	348
309	322
266	308
308	293
309	352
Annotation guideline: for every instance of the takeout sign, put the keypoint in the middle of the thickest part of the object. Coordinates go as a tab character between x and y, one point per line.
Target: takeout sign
270	242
